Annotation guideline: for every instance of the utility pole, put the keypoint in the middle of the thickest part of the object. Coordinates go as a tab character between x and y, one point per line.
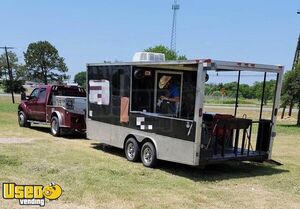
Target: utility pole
10	75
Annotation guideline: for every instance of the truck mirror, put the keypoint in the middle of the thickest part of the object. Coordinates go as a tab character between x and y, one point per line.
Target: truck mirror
206	77
23	96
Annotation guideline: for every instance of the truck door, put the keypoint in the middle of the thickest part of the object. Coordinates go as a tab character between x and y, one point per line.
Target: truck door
41	105
31	104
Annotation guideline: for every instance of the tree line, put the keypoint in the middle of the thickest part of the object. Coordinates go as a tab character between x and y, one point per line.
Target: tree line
42	64
245	91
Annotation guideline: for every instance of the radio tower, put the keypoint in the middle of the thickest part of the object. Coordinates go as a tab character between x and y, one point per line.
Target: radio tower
175	7
297	53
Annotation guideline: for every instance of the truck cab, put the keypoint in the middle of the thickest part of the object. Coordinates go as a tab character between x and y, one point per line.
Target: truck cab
61	107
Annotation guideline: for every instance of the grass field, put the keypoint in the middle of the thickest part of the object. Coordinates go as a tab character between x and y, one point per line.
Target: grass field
93	176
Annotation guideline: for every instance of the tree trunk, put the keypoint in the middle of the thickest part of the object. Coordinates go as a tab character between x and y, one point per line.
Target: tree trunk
291	108
283	111
45	78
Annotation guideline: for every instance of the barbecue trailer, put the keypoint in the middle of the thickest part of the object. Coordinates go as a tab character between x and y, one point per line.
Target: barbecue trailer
127	109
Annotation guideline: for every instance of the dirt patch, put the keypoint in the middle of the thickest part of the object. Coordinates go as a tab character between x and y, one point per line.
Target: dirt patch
12	140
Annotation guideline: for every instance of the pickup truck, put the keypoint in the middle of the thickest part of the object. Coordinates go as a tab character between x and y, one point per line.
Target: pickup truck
61	107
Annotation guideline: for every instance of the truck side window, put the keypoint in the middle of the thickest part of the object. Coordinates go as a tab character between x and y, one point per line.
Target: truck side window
34	93
42	94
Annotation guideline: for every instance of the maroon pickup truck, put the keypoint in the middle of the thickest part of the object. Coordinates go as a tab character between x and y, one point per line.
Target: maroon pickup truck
61	107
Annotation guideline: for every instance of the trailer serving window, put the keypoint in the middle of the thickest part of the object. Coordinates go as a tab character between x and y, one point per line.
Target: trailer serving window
163	92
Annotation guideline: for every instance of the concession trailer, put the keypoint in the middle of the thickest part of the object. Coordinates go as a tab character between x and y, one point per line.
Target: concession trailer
127	108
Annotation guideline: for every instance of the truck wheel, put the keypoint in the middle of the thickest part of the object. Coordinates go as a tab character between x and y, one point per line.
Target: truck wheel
55	129
132	150
22	118
148	155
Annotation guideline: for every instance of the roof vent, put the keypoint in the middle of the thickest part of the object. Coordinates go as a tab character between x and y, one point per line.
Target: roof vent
148	57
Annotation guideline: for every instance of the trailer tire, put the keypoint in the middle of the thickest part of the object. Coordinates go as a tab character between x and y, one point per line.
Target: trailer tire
132	150
148	155
22	119
55	129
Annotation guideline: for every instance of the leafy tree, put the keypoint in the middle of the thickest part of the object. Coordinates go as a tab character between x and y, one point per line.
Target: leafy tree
17	73
230	89
17	86
44	63
13	61
246	91
269	90
80	78
169	54
287	98
291	89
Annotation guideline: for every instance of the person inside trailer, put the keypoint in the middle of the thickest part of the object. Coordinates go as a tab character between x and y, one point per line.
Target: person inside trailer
169	103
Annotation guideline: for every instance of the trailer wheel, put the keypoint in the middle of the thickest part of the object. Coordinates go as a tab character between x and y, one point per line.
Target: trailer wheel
55	129
132	150
148	155
22	119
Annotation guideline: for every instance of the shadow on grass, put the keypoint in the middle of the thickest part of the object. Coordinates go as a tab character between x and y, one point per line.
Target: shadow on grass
72	135
222	171
215	172
108	149
9	161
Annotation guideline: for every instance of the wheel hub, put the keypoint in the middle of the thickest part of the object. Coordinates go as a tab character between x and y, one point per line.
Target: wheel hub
54	126
131	150
148	155
21	118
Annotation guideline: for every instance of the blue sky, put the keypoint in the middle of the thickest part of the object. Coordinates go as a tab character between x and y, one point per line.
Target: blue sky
94	31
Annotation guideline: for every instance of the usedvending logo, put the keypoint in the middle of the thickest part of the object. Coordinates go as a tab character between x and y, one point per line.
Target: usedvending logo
31	194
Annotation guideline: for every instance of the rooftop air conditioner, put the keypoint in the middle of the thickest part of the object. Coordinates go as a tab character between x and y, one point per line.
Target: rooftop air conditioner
148	57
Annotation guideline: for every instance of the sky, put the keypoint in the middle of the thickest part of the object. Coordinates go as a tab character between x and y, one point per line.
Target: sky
93	31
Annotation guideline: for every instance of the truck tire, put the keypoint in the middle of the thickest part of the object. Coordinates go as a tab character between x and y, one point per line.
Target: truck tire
148	155
55	129
22	119
132	150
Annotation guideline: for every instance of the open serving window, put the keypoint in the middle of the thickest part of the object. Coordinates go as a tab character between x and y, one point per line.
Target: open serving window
163	92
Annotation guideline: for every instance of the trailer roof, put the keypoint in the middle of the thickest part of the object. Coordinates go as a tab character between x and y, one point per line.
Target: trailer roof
192	65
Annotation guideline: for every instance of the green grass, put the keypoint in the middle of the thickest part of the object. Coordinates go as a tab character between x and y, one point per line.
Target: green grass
6	106
93	176
232	101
